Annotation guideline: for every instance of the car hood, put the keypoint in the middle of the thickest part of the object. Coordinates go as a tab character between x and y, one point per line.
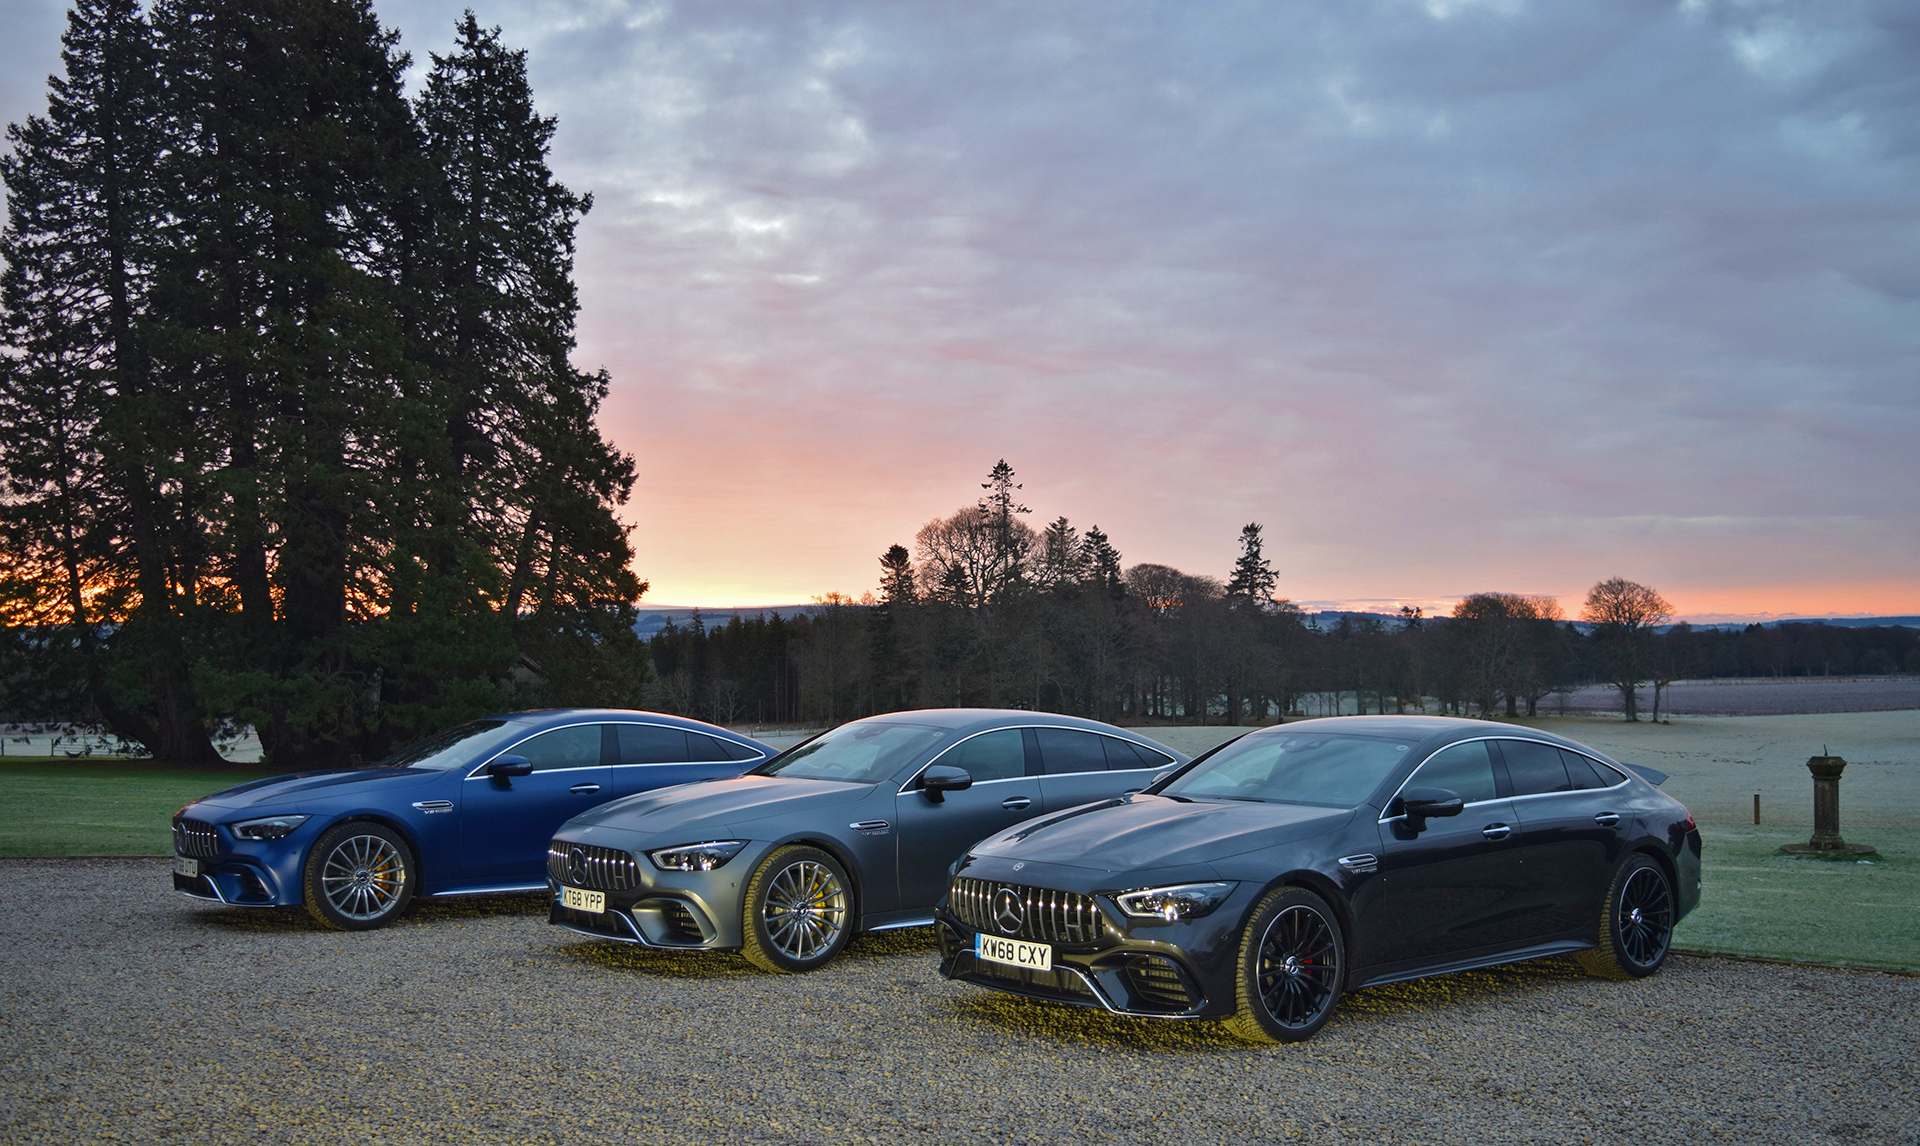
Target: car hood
301	786
1157	831
716	805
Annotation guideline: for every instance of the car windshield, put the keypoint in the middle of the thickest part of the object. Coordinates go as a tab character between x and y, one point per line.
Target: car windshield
864	752
453	747
1293	768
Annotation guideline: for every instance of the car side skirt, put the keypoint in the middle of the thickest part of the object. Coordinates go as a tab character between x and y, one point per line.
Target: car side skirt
1380	978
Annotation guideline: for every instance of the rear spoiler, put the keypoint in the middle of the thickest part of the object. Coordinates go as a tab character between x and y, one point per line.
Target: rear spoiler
1651	775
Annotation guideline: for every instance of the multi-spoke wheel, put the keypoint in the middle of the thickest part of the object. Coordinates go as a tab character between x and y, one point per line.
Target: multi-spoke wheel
1292	963
1636	922
798	912
359	876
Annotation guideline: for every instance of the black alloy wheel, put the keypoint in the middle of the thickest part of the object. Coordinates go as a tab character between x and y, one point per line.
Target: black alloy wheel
1636	922
798	913
1292	965
359	876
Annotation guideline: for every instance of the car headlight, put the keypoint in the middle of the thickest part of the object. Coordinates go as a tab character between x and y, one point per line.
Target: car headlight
696	857
1180	901
270	828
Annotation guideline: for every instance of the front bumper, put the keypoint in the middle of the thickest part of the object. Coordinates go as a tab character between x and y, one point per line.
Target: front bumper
238	873
1140	968
670	910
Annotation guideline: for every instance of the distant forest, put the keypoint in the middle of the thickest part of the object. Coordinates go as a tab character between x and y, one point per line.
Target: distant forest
986	610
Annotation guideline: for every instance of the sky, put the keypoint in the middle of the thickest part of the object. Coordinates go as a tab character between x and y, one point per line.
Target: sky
1451	296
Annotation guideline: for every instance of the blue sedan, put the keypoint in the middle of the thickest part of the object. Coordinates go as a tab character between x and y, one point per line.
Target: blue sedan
465	812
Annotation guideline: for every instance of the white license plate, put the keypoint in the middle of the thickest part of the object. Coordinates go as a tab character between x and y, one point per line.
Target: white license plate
187	867
1013	952
582	900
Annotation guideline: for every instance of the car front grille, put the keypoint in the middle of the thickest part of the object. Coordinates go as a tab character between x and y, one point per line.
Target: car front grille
1046	916
591	867
196	839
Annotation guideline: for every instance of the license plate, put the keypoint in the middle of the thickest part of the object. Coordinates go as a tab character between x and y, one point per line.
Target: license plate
187	867
582	900
1013	952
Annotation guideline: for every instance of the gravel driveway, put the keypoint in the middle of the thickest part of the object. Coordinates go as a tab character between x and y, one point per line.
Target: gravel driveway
130	1014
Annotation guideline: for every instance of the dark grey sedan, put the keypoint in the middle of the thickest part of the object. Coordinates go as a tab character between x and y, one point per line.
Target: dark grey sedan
851	831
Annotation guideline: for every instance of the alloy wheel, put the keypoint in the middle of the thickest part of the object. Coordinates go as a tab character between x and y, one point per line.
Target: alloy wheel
363	877
806	910
1299	967
1645	918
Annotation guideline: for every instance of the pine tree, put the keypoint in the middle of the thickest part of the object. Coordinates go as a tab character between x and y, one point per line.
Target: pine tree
95	438
1012	541
1251	585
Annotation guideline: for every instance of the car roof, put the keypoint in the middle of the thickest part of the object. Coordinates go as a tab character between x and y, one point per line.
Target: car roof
1436	730
973	719
540	716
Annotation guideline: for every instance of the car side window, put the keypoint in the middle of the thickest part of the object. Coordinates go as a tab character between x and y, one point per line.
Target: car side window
1123	755
651	744
998	755
576	747
704	748
1534	768
1587	773
1463	768
1070	750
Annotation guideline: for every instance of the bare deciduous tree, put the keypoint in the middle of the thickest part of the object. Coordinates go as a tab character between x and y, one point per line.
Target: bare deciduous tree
1624	615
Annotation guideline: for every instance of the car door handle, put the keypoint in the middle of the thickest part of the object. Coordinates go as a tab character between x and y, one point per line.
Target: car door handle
1607	819
1015	803
583	789
1496	831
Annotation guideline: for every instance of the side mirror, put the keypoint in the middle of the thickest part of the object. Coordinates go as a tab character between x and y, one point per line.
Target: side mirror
1420	804
506	767
940	779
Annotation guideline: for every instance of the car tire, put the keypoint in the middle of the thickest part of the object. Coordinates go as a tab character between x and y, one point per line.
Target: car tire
1293	962
798	913
1636	922
360	875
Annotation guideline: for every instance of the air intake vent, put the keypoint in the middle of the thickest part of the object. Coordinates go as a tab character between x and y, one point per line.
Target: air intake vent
1158	984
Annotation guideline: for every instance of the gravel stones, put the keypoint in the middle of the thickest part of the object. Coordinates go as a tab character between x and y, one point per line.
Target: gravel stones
129	1014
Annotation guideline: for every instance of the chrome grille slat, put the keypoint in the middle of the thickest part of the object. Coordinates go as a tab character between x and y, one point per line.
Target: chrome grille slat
1050	915
196	839
607	869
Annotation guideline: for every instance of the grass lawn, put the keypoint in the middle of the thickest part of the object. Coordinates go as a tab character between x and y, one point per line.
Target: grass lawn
1755	901
75	807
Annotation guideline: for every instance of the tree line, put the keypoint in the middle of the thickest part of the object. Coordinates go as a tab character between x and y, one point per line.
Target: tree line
289	433
986	610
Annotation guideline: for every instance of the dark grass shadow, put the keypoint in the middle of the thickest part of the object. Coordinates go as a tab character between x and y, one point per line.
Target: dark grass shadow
1357	1011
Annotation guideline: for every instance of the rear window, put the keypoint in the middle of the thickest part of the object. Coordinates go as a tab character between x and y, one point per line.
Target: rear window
1064	750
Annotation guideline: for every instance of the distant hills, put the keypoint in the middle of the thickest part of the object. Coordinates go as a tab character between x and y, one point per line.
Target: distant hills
656	617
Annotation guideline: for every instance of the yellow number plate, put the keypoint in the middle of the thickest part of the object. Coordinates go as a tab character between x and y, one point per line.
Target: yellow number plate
1013	952
582	900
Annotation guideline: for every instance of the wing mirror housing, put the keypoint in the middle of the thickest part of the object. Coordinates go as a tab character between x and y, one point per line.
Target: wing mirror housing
1420	804
506	767
940	779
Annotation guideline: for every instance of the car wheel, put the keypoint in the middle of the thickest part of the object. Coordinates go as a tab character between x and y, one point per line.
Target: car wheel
1636	922
798	912
1292	964
359	876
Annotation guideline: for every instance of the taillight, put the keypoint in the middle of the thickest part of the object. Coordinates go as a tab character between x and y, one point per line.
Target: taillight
1688	826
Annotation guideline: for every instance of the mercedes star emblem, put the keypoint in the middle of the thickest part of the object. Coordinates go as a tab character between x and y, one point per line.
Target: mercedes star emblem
1008	912
577	865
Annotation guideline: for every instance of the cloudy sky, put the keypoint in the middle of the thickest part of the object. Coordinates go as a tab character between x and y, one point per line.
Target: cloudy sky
1452	296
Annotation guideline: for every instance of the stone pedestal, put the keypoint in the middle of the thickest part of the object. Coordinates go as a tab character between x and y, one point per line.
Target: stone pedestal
1826	813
